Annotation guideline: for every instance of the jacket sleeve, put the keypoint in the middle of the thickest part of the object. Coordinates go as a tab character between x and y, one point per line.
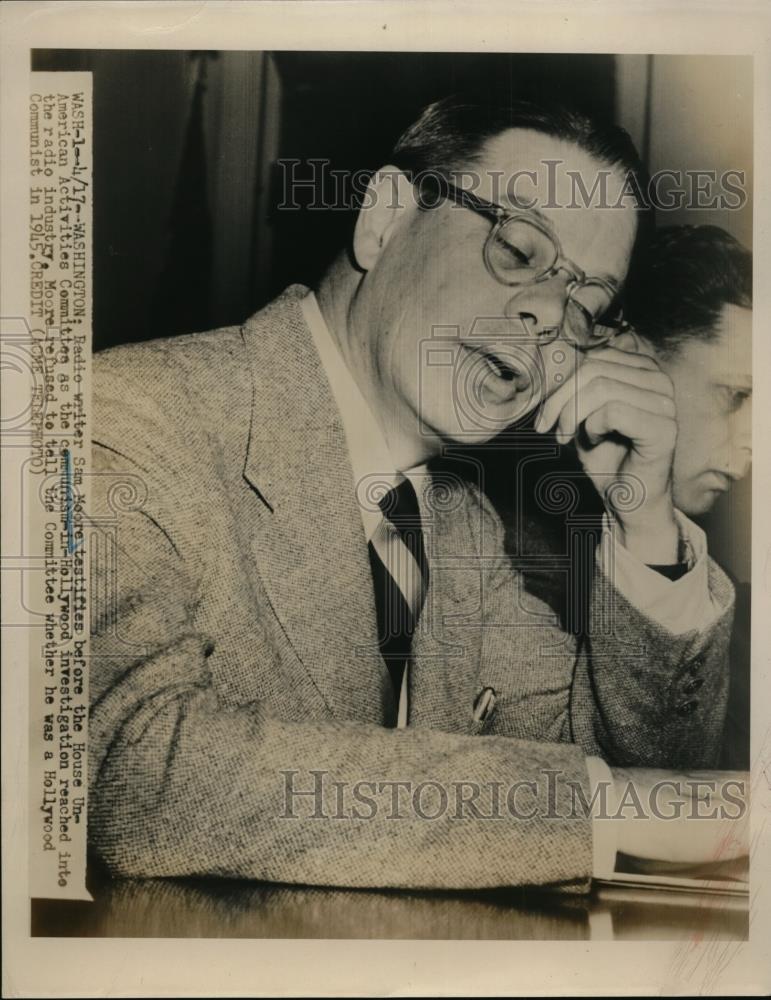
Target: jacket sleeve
645	697
183	781
640	695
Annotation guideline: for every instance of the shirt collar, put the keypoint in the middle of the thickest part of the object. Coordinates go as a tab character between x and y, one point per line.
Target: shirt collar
373	467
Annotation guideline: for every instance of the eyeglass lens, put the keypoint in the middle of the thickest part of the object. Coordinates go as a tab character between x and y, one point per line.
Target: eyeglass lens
519	253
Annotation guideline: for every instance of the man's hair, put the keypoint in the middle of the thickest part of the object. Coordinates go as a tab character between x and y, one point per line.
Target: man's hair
682	282
450	134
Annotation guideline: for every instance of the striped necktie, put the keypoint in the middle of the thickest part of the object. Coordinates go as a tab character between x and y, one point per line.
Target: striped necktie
400	575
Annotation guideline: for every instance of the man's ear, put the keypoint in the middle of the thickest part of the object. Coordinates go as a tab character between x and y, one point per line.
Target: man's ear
388	200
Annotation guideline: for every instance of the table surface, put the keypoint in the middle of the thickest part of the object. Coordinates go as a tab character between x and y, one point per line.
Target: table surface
219	908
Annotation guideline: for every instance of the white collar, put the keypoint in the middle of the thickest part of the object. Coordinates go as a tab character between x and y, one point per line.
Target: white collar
373	467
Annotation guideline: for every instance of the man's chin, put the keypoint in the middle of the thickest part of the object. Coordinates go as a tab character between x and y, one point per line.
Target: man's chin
476	436
697	502
475	429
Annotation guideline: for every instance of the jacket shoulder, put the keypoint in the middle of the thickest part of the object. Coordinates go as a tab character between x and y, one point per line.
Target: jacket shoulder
189	394
156	364
211	365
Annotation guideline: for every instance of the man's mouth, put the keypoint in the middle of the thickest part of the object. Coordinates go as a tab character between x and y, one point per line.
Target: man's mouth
501	368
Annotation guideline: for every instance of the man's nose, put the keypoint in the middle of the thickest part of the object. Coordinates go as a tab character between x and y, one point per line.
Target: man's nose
738	466
741	432
541	305
738	458
740	443
739	462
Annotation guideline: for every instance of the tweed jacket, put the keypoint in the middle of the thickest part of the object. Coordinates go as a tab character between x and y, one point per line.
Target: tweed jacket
235	661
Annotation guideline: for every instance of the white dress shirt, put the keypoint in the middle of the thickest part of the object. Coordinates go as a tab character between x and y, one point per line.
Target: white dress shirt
368	451
676	605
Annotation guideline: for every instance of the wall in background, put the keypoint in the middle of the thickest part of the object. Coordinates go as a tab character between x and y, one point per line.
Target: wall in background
142	102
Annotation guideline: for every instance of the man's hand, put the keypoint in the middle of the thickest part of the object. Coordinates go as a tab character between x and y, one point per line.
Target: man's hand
619	409
691	818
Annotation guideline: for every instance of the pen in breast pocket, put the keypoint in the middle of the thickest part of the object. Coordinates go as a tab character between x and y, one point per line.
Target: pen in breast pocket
484	704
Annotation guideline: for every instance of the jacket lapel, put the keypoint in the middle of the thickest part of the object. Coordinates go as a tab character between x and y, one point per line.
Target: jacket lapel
309	544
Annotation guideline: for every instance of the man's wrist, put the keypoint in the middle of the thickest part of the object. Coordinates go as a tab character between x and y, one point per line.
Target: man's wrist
653	538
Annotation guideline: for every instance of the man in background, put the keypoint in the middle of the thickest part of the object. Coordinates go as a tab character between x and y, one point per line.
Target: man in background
691	305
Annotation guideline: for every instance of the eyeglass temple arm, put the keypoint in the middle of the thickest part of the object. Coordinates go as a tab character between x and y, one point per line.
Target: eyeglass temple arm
468	199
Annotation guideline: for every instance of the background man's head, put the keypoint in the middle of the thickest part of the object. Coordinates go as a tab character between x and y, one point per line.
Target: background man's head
421	271
691	302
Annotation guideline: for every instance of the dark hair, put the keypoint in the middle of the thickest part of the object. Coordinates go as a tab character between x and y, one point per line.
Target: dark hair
682	281
449	136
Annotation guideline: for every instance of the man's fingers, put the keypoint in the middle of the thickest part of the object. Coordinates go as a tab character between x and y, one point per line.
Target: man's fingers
611	372
603	390
615	355
648	431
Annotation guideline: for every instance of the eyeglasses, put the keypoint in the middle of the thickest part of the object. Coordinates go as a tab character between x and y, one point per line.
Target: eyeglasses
520	251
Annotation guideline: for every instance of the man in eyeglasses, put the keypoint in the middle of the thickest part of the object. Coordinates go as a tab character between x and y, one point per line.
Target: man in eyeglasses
320	667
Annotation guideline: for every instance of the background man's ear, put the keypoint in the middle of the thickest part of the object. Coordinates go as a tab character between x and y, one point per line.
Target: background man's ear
388	200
